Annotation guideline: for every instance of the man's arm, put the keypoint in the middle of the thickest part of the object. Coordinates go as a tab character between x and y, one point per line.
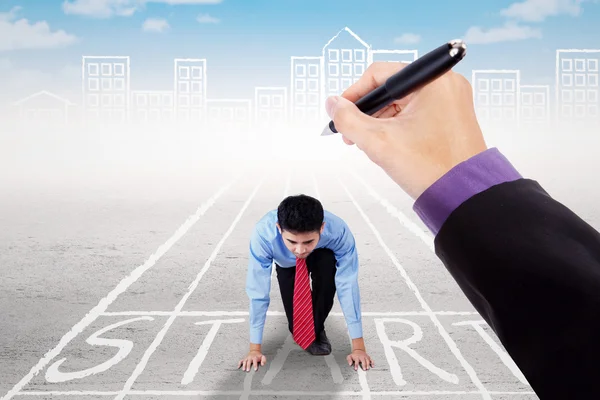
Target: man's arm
258	285
530	267
346	281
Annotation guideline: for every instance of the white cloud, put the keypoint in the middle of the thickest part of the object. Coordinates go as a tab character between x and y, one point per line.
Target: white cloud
155	25
408	38
207	19
120	8
18	34
538	10
509	32
524	11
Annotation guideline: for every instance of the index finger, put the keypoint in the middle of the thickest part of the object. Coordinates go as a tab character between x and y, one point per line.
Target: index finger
374	76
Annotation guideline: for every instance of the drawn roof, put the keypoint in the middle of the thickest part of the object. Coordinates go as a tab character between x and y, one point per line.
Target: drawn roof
351	33
40	93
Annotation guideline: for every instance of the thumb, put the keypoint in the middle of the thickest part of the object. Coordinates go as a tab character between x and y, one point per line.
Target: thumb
352	123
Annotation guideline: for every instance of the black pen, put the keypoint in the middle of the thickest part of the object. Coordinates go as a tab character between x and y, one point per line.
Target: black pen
409	79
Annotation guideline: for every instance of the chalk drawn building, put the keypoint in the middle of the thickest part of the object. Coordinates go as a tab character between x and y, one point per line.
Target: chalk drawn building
343	60
152	106
535	104
190	90
105	86
44	109
496	96
270	107
305	88
229	114
576	94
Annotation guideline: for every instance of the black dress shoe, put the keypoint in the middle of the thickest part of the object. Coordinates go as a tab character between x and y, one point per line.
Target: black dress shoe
324	341
318	349
321	346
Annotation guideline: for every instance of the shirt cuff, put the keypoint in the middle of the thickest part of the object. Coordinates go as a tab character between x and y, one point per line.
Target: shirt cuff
256	335
355	330
465	180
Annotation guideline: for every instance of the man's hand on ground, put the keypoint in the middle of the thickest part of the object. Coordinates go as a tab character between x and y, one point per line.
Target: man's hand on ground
253	358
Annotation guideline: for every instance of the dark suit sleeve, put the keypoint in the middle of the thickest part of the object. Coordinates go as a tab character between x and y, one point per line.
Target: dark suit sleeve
531	268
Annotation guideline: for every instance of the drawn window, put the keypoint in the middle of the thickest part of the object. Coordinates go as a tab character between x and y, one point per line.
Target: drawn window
184	72
93	69
359	55
300	70
346	55
119	69
540	99
496	85
484	85
334	70
106	69
334	55
196	72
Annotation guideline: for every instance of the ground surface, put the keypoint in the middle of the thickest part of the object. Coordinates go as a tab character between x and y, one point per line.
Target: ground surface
130	283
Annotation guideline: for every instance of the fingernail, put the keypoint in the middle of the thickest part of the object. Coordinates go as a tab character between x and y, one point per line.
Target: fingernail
330	104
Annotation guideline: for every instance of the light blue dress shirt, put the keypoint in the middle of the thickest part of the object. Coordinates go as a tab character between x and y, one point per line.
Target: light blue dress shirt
266	247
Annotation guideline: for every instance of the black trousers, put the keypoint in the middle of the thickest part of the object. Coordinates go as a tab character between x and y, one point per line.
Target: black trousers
321	265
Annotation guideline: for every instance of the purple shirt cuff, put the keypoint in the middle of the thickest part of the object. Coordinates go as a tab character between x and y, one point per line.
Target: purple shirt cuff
465	180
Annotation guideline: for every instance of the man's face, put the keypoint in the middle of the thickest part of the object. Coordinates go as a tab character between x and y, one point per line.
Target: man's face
301	244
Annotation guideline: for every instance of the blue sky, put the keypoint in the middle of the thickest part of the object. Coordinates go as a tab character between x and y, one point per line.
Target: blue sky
249	42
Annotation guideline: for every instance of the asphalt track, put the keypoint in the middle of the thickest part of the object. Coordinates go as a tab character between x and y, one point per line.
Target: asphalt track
135	290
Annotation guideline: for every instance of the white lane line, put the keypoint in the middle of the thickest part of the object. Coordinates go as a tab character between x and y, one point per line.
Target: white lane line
281	313
303	393
445	335
121	287
317	194
399	215
158	339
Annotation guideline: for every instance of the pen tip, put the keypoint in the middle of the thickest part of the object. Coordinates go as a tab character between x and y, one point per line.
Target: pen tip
327	131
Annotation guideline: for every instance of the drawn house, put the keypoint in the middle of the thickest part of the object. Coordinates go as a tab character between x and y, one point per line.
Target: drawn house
44	108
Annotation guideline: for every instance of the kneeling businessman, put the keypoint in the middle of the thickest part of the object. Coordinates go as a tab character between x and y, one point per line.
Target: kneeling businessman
302	239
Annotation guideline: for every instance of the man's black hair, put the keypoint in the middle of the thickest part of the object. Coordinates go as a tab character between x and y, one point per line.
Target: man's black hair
300	214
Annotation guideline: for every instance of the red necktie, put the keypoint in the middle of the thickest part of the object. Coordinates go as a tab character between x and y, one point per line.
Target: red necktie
304	324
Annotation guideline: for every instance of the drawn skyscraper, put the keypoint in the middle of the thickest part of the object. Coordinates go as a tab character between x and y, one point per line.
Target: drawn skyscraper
345	59
576	91
190	89
496	96
105	86
305	89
